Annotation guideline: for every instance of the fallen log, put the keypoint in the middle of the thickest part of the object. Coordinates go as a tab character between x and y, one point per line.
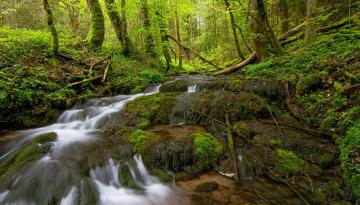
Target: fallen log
192	51
82	81
237	67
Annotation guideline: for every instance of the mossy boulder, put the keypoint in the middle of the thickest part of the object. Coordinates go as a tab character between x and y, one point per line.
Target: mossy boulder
270	89
147	109
142	141
208	150
350	158
20	159
243	130
309	83
49	137
175	86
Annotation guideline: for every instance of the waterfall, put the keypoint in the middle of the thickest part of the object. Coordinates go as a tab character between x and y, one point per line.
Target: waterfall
59	170
193	88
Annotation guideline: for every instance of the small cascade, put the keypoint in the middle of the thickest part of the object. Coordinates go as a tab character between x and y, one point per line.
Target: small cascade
59	171
150	191
193	88
244	169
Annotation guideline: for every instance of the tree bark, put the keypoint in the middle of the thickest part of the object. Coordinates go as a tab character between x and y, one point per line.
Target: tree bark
128	46
179	39
115	19
233	26
310	32
97	25
165	44
50	22
149	40
263	36
284	4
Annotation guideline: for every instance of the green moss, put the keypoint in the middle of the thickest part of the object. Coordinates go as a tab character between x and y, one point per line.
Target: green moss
24	156
44	138
161	174
207	149
243	130
97	25
309	83
142	141
288	162
147	107
349	157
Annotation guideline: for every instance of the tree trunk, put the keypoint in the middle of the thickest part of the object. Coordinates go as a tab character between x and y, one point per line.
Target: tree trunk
233	26
97	25
115	19
179	39
50	22
127	44
263	36
165	44
310	31
284	4
149	40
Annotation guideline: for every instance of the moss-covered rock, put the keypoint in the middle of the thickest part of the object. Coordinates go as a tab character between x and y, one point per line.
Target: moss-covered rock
288	162
350	158
44	138
208	150
24	156
243	130
175	86
309	83
142	141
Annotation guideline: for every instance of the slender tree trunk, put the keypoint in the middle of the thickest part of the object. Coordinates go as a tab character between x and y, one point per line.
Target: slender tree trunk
263	36
284	4
179	39
128	46
233	26
97	25
310	31
165	44
50	22
149	40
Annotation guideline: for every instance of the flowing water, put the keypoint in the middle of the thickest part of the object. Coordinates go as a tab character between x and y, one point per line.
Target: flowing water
57	178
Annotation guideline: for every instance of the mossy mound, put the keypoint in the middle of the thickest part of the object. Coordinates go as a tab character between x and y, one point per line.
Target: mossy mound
208	150
49	137
142	141
350	157
148	109
175	86
20	159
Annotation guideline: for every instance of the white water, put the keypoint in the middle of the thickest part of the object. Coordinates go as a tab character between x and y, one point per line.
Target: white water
193	88
74	128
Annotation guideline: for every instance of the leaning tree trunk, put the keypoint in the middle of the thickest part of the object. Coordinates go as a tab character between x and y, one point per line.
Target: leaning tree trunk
310	31
165	44
264	38
233	26
97	25
50	22
149	40
115	19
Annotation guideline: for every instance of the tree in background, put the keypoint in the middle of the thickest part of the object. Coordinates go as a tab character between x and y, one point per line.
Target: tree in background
310	32
50	22
264	38
149	39
97	24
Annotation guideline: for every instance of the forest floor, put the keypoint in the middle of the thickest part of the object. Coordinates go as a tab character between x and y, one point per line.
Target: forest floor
322	78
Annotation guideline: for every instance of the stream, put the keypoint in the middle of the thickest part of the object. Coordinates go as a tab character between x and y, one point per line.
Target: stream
84	166
57	174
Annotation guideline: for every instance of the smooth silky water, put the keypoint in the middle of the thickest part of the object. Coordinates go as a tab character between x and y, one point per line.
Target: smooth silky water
58	178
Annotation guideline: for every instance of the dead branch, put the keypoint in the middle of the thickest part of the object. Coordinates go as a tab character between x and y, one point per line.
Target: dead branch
106	70
193	51
98	62
82	81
